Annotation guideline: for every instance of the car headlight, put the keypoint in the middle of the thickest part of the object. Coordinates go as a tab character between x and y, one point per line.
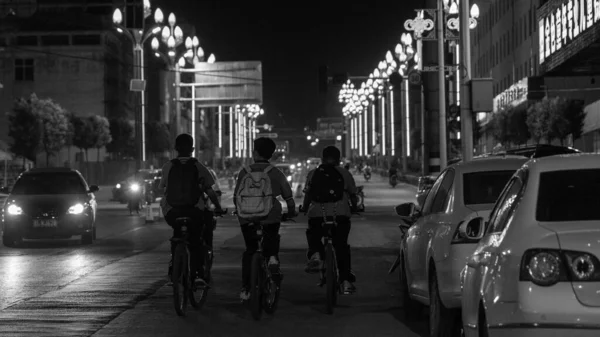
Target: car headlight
118	186
135	187
14	210
76	209
293	167
289	178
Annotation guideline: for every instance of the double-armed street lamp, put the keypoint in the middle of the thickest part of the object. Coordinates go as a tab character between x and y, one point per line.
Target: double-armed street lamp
138	37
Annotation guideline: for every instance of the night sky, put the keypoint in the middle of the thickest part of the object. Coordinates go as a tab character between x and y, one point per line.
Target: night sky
292	39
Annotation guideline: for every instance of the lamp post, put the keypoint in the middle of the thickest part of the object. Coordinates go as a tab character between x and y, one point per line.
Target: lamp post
138	37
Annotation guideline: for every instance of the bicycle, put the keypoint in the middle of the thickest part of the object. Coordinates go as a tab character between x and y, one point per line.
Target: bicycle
264	287
330	275
184	271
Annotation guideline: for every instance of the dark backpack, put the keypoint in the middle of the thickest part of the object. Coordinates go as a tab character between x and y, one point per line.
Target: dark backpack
183	184
327	185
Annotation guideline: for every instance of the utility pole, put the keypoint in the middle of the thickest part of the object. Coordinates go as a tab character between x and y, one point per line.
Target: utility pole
466	115
442	85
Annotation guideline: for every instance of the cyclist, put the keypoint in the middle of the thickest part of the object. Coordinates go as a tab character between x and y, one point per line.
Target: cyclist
340	209
256	191
184	181
209	211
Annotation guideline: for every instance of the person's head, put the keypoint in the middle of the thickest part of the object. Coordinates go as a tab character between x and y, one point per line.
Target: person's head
264	148
184	144
331	155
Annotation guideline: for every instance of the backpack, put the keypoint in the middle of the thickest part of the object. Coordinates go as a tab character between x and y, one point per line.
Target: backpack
183	184
254	197
326	185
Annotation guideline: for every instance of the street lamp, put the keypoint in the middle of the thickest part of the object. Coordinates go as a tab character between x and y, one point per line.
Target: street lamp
138	37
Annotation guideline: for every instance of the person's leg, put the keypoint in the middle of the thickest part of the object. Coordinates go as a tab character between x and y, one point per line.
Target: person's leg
196	249
271	246
170	219
251	246
316	250
340	243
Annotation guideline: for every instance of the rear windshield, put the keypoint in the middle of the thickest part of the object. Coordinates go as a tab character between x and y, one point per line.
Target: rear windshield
49	183
484	187
571	195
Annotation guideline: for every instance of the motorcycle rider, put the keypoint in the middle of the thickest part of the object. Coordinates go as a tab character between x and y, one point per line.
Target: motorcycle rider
184	181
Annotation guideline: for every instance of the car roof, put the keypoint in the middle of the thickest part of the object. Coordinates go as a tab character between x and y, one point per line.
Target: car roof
565	162
492	163
51	170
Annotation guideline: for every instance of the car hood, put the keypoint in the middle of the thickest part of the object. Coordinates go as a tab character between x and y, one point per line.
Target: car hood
38	203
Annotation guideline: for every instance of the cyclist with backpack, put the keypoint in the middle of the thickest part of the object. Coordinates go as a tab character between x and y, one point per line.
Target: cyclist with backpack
256	191
185	181
330	190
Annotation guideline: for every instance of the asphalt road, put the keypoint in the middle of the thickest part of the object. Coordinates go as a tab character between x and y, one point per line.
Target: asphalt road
116	287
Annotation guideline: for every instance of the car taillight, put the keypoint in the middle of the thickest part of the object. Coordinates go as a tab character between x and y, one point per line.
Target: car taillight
546	267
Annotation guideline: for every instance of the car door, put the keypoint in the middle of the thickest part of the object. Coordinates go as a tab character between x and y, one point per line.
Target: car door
489	247
416	235
435	218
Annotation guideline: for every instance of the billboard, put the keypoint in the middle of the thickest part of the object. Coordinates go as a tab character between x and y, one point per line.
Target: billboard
228	83
565	28
329	128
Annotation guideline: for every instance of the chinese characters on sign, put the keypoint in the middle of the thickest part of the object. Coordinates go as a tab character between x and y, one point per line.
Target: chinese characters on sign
512	96
565	23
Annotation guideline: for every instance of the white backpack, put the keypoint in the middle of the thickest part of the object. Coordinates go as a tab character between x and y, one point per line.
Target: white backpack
254	198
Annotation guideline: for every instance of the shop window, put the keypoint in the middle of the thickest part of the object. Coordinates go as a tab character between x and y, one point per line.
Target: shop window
24	70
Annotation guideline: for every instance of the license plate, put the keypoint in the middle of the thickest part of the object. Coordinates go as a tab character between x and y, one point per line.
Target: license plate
45	223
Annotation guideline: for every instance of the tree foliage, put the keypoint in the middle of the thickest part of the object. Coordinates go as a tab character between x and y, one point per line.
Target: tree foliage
25	130
83	137
518	132
122	144
158	137
55	124
100	130
499	127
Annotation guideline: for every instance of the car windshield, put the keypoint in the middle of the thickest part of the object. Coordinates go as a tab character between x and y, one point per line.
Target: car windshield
569	195
484	187
49	183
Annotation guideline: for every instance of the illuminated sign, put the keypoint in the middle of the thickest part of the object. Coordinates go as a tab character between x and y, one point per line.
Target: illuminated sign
565	23
512	96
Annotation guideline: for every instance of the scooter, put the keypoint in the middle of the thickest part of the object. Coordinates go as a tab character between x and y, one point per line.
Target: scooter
135	197
394	180
367	175
360	196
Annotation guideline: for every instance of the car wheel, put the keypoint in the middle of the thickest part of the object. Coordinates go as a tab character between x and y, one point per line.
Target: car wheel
87	238
94	233
412	308
442	321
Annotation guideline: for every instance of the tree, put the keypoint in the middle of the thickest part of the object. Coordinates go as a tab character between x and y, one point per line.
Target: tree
122	144
55	124
158	137
499	127
83	137
518	131
570	119
25	130
100	129
70	133
540	118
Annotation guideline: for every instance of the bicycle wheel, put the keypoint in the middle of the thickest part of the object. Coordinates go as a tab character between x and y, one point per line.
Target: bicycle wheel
256	285
180	279
197	294
330	279
271	298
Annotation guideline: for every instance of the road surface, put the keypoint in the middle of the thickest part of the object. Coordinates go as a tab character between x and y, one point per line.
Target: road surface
116	287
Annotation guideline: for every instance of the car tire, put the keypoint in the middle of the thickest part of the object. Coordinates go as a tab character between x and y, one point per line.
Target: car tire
94	233
412	308
443	322
88	238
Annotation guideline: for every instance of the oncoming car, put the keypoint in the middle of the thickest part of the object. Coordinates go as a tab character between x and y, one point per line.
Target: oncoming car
49	203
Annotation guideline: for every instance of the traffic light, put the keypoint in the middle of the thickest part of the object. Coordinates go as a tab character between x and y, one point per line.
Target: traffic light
323	78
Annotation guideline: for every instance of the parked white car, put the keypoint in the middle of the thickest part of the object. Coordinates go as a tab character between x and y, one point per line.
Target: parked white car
433	252
536	272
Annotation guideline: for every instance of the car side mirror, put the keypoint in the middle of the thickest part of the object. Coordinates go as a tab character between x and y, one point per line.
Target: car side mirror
408	211
94	189
473	229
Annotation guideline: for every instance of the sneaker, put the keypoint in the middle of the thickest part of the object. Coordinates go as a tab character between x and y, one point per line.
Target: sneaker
273	265
314	265
244	294
348	288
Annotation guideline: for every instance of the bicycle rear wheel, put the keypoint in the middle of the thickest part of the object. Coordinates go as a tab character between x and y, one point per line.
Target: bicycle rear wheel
197	294
180	279
256	285
330	279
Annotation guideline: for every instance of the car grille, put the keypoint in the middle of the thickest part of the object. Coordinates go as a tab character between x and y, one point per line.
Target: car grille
46	213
